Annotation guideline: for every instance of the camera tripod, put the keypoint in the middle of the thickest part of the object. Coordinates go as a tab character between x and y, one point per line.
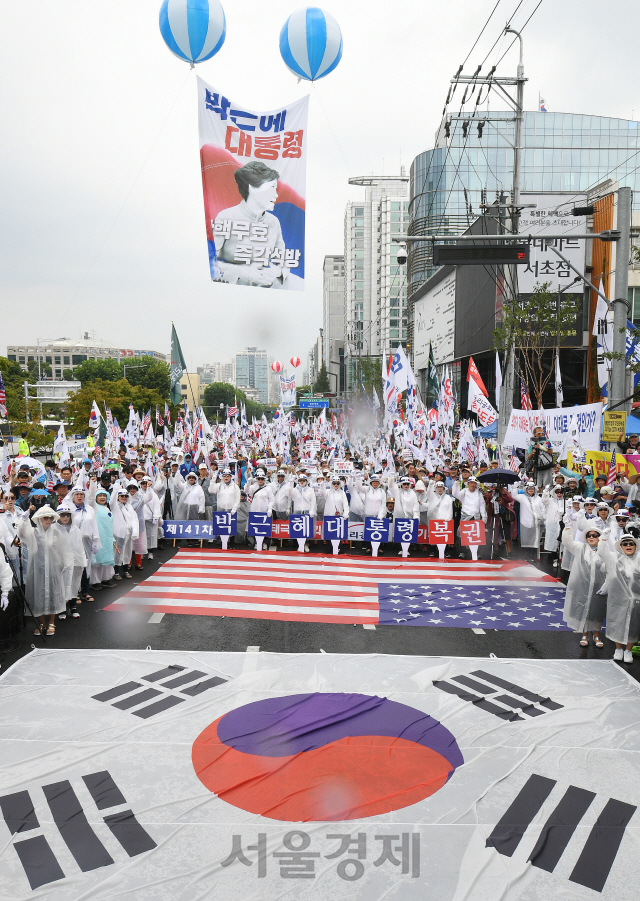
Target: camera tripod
19	590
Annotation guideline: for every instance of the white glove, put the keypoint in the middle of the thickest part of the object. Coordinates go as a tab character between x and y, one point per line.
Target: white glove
601	591
4	602
94	547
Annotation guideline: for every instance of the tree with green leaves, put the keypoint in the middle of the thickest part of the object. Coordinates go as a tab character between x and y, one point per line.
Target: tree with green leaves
223	393
536	326
322	382
117	396
143	371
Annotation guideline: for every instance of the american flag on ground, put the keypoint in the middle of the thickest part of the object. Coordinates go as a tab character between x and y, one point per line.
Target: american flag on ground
391	591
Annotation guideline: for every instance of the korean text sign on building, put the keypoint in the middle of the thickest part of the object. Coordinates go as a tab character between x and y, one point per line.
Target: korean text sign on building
254	183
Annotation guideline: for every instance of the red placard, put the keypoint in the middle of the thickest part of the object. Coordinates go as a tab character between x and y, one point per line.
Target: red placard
472	532
441	531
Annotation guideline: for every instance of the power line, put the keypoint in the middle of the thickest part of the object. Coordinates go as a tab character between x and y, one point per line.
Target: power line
481	32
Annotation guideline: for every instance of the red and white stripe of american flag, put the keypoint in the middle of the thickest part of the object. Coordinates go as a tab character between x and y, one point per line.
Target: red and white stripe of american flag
612	475
299	587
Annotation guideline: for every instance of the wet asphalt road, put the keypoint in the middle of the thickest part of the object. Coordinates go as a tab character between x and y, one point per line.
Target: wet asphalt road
133	630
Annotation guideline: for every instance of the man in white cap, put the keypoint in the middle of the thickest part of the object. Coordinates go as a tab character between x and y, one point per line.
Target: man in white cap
228	497
85	519
260	498
303	500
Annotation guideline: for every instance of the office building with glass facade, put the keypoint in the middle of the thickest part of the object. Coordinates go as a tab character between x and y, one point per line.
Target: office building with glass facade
563	152
375	286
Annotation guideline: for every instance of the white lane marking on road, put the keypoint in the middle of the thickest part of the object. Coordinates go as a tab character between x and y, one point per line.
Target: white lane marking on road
156	617
479	631
368	626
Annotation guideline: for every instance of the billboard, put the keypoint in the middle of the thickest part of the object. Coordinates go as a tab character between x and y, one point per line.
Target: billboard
254	184
435	321
551	215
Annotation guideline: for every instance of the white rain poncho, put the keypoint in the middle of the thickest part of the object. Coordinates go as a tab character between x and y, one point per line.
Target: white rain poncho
73	574
623	595
336	503
192	502
49	556
440	506
554	511
125	526
406	502
375	500
152	514
227	494
137	503
532	515
571	522
584	609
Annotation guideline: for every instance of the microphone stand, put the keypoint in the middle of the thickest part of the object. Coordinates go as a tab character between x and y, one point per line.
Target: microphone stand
18	588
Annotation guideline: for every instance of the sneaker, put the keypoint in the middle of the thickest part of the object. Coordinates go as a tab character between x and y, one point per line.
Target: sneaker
118	577
75	615
108	583
617	654
149	556
62	616
127	576
628	656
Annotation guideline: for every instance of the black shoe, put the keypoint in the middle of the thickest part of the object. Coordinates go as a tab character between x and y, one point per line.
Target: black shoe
96	587
108	583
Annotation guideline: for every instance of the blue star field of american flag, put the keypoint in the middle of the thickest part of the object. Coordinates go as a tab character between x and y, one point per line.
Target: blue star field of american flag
512	608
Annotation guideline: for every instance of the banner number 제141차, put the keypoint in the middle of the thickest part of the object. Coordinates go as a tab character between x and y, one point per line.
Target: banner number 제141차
254	184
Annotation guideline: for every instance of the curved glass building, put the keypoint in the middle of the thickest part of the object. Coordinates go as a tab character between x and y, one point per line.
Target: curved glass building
562	152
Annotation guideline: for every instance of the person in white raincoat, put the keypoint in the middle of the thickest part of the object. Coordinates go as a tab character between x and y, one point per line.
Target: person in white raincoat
336	504
374	497
227	493
574	509
152	514
423	502
73	572
622	586
85	519
49	556
440	503
303	500
584	607
615	528
125	531
406	502
532	516
587	516
555	506
136	499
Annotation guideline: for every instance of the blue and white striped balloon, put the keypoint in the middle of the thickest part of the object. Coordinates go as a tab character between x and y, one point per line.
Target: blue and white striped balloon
311	43
193	29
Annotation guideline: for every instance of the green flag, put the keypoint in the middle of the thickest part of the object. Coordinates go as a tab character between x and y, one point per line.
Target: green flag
178	367
433	382
102	433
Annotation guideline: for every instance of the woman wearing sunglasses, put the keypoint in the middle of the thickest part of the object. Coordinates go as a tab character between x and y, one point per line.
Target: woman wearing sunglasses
623	596
584	607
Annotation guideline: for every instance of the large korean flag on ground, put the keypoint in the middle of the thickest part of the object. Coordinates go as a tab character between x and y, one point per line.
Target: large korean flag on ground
254	183
183	776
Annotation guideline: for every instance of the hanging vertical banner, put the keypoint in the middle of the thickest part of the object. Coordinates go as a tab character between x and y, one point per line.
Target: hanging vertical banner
254	184
288	391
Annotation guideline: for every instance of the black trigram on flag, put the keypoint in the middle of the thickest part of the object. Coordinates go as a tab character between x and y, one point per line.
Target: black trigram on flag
177	676
596	858
36	855
507	705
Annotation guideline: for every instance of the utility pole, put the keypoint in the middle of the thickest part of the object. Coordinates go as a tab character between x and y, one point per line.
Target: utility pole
623	249
506	395
25	385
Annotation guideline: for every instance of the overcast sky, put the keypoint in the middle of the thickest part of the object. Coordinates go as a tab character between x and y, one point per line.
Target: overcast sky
102	212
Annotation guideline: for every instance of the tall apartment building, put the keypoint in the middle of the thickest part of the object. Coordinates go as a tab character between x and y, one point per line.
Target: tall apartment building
333	306
375	285
252	371
67	353
216	372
